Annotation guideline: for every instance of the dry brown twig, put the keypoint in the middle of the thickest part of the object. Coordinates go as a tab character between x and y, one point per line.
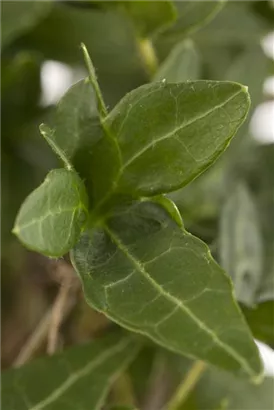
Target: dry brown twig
50	323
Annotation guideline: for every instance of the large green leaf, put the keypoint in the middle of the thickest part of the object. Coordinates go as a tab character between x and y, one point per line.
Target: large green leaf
241	250
53	216
193	15
152	277
18	17
78	378
170	133
182	64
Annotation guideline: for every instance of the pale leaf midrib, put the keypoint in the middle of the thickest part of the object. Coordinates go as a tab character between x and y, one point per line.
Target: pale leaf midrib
19	227
175	130
166	136
57	393
229	350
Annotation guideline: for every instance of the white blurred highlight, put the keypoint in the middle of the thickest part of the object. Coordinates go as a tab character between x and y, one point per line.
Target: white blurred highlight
262	123
56	78
267	355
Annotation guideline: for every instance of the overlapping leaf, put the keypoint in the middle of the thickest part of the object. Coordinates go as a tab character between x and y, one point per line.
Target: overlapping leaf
53	216
182	64
170	133
78	378
219	390
152	277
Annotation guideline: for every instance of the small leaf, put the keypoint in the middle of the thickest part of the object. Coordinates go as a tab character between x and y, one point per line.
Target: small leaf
78	138
152	277
182	64
170	133
241	252
78	378
53	216
18	17
193	15
76	121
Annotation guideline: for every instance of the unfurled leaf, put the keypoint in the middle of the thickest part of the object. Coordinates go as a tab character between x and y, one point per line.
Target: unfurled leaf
53	216
18	17
182	64
192	15
241	252
168	134
261	321
78	378
152	277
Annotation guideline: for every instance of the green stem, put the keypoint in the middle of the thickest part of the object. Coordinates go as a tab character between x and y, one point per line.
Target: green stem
148	55
93	79
187	385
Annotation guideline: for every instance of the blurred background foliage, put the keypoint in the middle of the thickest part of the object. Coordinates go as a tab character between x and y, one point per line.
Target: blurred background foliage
231	206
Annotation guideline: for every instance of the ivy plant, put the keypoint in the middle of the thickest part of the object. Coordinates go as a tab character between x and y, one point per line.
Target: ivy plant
111	206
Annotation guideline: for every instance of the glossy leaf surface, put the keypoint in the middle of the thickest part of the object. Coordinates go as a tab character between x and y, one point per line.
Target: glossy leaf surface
170	133
152	277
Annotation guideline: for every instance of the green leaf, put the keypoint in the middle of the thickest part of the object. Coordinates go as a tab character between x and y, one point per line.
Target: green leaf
235	25
243	70
221	391
76	121
241	251
168	134
78	138
152	277
78	378
53	216
18	17
193	15
261	321
182	64
148	16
